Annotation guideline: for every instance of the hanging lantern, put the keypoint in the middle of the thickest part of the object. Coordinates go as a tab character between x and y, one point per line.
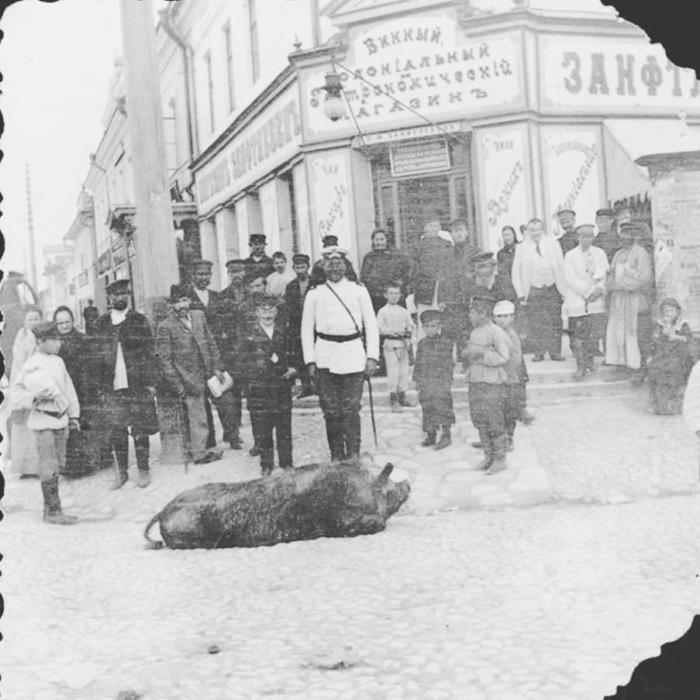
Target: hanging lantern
333	106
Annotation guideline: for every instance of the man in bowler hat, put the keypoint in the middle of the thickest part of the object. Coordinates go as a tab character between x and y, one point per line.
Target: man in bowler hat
258	264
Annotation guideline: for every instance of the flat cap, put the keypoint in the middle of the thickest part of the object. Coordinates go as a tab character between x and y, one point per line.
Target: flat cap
430	315
266	301
197	264
330	239
235	262
585	228
566	211
635	228
45	330
503	308
118	287
177	291
605	212
301	258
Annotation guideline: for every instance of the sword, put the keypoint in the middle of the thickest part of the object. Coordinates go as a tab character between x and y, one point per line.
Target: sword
371	411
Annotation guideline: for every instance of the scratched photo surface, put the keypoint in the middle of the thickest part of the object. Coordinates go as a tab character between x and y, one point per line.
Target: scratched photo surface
349	350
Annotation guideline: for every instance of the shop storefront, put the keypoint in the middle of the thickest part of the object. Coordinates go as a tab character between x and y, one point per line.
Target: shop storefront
251	181
493	119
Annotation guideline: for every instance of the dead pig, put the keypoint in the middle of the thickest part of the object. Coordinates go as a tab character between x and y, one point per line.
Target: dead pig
331	500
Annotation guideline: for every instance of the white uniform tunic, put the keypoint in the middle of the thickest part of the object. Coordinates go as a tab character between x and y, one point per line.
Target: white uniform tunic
323	313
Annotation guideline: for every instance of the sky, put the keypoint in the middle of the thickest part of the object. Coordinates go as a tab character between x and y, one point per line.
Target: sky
56	60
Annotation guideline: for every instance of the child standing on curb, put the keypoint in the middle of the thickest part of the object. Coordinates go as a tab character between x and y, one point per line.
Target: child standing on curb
396	327
487	354
44	387
433	377
516	372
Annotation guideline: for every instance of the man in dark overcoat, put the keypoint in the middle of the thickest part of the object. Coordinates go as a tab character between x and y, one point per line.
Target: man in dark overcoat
122	367
215	311
188	357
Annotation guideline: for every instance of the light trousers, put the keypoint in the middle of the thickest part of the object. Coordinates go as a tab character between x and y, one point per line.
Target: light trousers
396	360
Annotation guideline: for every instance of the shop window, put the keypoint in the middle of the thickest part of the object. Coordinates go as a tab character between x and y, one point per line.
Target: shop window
210	89
254	45
288	180
228	52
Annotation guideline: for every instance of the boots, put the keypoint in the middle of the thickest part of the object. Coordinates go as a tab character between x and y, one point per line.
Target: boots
52	504
580	355
403	401
445	439
394	403
498	454
336	443
429	439
485	441
142	450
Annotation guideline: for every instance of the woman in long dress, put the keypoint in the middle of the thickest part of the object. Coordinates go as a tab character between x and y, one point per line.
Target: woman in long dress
629	283
82	450
23	449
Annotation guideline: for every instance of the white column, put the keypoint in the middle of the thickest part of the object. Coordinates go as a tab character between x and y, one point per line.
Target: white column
301	203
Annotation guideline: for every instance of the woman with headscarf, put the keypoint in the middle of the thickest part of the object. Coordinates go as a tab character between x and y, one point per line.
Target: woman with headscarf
629	282
23	449
75	354
505	257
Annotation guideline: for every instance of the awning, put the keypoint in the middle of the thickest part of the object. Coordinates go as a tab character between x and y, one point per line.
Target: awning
626	140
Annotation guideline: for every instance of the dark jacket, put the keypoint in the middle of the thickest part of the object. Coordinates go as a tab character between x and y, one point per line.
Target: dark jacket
432	372
212	312
380	267
294	303
568	241
186	358
608	242
264	361
75	354
459	275
136	340
258	268
430	264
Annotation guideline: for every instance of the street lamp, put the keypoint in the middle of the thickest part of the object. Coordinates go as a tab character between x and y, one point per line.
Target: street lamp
333	106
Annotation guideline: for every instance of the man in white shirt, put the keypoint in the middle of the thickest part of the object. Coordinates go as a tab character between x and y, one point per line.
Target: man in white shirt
585	269
277	281
538	279
335	316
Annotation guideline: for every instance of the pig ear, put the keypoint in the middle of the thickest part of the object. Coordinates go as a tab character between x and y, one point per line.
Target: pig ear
384	476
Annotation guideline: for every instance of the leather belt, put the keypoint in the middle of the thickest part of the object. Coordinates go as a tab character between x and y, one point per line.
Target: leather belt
338	338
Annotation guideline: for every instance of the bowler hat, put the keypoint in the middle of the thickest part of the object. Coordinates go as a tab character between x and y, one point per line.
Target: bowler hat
257	238
118	287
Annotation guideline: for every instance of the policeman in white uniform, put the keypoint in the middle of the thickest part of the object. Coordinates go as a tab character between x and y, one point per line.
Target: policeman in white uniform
336	316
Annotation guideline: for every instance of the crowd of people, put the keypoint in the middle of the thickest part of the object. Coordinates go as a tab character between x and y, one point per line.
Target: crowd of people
76	397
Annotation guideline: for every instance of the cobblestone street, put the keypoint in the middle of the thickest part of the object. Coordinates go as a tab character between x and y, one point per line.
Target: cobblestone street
472	603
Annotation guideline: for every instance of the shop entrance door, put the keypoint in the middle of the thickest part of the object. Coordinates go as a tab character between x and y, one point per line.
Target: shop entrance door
421	200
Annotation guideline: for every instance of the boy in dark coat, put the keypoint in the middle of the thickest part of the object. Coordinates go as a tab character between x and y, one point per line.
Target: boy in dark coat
432	374
266	354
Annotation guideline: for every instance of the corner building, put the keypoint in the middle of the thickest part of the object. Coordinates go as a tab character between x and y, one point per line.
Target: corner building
489	111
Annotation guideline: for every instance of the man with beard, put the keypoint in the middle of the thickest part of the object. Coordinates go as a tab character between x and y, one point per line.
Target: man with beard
318	272
187	357
258	263
209	302
124	371
335	315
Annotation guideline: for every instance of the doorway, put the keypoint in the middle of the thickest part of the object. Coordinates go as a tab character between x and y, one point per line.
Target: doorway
421	200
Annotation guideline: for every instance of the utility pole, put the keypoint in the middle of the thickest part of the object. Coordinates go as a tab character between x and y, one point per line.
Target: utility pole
33	277
155	266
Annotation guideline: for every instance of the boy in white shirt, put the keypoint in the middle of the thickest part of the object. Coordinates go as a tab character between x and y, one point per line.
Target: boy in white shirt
278	280
396	327
44	387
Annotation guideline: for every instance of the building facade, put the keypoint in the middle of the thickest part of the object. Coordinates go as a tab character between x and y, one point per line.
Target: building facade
492	111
